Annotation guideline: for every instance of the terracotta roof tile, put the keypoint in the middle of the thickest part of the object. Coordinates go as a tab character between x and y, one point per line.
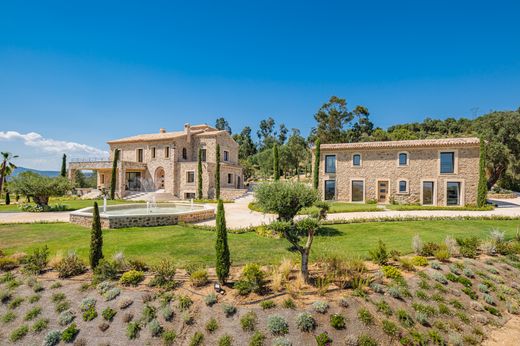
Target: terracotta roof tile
195	130
444	142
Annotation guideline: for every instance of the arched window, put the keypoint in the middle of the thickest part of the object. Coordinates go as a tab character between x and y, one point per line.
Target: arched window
184	154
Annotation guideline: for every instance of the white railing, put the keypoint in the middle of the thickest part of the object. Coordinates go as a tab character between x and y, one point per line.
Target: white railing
89	159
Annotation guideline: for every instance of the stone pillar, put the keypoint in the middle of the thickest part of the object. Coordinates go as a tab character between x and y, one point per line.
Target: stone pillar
120	181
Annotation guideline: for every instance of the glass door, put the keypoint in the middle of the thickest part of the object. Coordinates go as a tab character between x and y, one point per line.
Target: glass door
427	196
133	181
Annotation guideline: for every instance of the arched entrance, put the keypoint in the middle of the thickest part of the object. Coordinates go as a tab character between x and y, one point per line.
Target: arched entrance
159	178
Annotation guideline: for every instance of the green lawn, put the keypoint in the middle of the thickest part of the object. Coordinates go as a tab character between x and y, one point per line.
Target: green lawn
186	245
72	204
335	207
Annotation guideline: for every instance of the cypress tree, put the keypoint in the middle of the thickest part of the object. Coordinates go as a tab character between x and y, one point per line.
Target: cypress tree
64	166
482	181
316	170
276	163
199	175
223	258
217	174
7	198
114	173
96	239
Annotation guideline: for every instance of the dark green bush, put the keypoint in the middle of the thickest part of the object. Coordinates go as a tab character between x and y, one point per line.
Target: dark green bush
69	333
252	279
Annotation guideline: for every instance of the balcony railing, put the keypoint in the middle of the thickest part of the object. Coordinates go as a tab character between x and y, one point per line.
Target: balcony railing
89	159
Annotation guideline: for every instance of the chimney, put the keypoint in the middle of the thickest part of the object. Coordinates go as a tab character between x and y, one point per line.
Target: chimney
162	130
187	132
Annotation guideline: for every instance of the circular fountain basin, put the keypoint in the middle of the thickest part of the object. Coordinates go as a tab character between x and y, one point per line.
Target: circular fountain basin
144	215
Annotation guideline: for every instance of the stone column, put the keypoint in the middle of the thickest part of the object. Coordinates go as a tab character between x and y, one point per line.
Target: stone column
121	173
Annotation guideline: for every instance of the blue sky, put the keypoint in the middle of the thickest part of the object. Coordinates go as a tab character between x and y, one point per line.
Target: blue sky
73	75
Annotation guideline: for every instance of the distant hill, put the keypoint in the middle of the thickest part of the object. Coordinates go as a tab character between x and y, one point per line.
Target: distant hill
19	170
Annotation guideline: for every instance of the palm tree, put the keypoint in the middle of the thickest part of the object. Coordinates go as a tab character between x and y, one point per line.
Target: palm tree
7	167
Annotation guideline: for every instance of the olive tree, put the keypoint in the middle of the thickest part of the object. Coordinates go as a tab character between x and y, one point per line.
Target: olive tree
39	187
286	199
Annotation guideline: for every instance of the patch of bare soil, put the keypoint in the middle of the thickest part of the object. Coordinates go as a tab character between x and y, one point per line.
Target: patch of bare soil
508	335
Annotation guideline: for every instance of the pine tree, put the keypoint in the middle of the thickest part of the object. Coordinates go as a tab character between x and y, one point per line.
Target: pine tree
223	257
316	170
217	174
199	175
96	238
276	163
114	173
64	166
482	181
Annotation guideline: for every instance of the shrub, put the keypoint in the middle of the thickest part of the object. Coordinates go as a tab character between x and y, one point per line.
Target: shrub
492	310
69	333
470	293
104	286
407	264
404	318
15	303
305	322
89	314
429	249
229	309
468	246
87	303
337	321
390	328
187	318
420	261
391	272
422	318
440	278
281	341
377	288
365	316
40	325
249	321
257	339
70	266
7	263
105	270
252	279
452	277
19	333
149	313
435	265
323	339
489	299
8	317
210	299
199	278
111	294
320	306
131	278
267	304
395	292
164	274
33	313
137	264
58	297
442	255
197	339
379	255
169	337
422	295
225	340
212	325
289	304
184	303
52	338
36	262
462	316
128	317
476	306
155	328
132	330
167	313
443	309
277	325
417	244
103	326
108	314
382	306
66	317
125	303
365	340
34	298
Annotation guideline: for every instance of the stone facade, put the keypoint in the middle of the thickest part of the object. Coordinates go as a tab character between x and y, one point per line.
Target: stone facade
168	161
379	175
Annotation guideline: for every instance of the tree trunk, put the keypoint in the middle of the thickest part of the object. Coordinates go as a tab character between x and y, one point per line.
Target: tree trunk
2	172
42	201
305	265
495	175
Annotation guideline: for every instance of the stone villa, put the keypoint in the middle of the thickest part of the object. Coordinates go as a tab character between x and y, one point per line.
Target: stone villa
437	172
166	163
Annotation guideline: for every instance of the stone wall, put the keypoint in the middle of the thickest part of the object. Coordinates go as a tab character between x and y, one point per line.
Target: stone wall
382	165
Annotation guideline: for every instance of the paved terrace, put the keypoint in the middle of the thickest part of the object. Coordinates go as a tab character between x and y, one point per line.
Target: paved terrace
238	214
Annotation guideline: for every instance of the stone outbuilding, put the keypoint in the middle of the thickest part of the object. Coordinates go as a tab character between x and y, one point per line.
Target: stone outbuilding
436	172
